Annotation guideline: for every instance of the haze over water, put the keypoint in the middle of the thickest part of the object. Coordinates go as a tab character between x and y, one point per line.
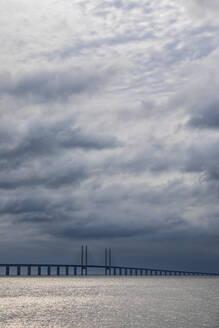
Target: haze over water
151	302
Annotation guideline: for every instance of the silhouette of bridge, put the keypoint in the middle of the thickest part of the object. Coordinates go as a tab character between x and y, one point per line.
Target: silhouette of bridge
83	267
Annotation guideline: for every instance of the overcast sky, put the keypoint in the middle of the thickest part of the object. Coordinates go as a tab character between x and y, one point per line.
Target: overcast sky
109	131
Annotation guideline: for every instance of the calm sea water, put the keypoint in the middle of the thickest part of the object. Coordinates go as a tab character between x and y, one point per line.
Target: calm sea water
114	302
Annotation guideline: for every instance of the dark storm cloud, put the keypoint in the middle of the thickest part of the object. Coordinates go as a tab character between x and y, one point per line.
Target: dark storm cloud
148	228
55	179
149	216
40	207
64	222
204	158
47	155
205	117
48	139
97	231
60	219
50	85
22	206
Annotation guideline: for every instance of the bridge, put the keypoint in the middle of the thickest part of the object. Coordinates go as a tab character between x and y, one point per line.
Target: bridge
82	269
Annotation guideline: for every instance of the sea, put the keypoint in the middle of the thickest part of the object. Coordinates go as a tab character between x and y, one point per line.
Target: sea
109	302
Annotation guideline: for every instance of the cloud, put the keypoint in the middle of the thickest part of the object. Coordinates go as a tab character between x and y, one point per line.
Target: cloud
64	218
206	118
155	157
199	98
49	154
55	85
127	218
198	103
109	131
23	206
42	140
203	158
204	9
50	178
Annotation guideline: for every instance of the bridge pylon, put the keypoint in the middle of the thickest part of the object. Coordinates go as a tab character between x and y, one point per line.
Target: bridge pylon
108	261
84	259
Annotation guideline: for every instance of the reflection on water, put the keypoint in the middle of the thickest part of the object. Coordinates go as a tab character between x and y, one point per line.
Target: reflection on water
150	302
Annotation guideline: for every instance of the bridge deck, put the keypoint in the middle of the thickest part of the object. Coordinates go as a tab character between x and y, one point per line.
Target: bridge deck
109	270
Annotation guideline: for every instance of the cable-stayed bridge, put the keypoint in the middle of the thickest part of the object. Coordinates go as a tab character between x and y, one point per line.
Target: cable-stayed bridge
25	269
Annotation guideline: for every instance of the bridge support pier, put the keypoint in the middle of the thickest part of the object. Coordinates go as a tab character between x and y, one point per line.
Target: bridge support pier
7	270
83	271
108	271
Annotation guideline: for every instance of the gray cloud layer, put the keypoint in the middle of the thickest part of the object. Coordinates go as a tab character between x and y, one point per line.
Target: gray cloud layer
208	8
49	86
113	140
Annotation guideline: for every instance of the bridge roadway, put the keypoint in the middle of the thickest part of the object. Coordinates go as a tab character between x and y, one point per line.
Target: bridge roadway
78	269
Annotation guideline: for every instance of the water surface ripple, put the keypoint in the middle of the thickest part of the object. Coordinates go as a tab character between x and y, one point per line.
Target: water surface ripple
111	302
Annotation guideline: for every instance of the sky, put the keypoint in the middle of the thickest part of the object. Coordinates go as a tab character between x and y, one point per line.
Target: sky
109	132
